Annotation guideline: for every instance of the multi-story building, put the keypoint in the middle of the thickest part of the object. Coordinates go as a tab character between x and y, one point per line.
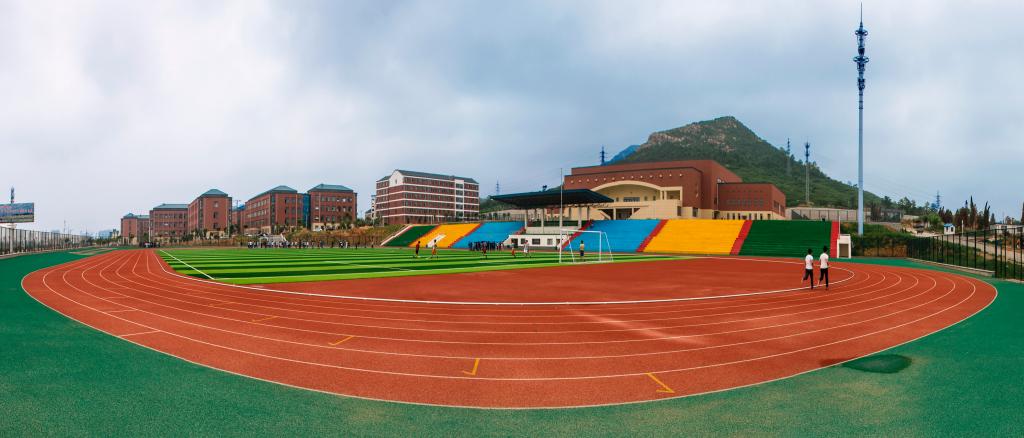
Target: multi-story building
328	206
135	229
677	189
208	215
408	197
169	221
273	211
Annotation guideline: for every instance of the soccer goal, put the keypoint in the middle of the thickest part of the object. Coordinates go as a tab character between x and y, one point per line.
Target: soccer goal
596	246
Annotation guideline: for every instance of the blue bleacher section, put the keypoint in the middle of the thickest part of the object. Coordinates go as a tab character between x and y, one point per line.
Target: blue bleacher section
624	235
489	232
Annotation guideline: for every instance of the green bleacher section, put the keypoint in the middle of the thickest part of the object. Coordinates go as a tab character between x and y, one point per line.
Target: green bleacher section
786	238
410	235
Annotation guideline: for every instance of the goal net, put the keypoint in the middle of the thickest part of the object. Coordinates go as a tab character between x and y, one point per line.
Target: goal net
588	246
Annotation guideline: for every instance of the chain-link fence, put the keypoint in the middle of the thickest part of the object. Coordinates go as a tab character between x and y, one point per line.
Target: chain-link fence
18	241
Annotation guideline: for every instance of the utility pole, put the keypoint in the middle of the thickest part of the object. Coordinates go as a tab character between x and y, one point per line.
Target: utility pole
938	201
497	187
789	158
807	173
861	62
602	156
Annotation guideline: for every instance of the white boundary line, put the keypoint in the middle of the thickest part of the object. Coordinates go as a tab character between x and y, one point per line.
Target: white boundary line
540	408
186	264
500	303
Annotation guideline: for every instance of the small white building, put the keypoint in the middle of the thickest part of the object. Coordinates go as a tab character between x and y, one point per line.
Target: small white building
948	229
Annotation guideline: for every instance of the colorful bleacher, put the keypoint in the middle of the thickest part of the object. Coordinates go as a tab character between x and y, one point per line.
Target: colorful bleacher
679	236
623	235
787	238
489	232
445	235
410	235
696	236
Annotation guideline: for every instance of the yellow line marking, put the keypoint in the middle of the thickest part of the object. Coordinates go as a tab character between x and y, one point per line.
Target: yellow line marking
664	388
264	319
341	341
476	364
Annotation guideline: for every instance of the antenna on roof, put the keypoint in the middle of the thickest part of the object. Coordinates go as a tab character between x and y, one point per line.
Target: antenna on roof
602	156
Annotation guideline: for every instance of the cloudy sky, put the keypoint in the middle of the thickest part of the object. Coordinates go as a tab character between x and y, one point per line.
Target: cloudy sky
115	107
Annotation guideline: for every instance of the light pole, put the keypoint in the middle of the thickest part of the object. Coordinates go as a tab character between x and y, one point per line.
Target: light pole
861	62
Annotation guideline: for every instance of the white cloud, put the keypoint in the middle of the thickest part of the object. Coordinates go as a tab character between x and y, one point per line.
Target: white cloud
117	107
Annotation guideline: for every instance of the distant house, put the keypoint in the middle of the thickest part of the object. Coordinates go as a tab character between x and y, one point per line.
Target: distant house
948	229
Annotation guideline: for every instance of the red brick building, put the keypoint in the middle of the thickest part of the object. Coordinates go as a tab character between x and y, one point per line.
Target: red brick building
672	189
135	229
169	221
751	201
408	197
273	211
208	215
330	205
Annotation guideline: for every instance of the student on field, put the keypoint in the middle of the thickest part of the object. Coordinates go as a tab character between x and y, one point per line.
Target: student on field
823	266
809	267
582	252
483	250
526	250
417	249
433	251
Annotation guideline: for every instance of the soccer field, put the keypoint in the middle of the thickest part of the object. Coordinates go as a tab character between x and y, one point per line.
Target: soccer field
251	266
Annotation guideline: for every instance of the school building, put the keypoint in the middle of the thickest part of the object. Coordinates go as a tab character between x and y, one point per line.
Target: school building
208	214
695	189
135	228
169	221
411	197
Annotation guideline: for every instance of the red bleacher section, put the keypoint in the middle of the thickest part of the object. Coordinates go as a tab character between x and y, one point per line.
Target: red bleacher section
740	238
647	240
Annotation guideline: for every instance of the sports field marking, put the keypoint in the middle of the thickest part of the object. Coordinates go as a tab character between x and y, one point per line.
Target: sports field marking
366	266
664	388
222	303
476	365
121	310
264	319
514	304
45	284
341	341
186	264
141	333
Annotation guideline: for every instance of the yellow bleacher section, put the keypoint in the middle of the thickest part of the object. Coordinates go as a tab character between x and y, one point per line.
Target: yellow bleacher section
451	233
696	236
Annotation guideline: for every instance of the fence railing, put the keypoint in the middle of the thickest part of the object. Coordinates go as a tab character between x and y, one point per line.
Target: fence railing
999	250
18	241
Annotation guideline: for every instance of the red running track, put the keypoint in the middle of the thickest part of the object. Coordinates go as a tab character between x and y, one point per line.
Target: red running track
506	356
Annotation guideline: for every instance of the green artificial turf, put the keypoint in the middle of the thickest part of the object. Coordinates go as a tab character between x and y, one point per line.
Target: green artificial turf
58	377
250	266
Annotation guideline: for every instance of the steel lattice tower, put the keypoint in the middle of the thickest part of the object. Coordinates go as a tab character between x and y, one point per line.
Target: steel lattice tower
861	62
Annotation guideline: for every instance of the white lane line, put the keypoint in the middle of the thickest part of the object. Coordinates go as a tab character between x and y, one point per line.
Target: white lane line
140	333
186	264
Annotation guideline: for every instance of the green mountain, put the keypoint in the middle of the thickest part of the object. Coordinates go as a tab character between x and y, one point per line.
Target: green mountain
736	147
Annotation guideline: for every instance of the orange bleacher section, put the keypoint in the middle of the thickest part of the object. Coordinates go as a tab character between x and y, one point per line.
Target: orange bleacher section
446	235
696	236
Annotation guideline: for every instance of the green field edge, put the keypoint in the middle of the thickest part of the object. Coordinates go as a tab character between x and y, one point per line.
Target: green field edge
61	377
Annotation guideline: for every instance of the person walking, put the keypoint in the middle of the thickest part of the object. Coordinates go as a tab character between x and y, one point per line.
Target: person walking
809	267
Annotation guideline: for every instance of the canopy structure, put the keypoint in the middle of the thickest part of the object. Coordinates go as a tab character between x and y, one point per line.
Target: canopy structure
553	198
558	199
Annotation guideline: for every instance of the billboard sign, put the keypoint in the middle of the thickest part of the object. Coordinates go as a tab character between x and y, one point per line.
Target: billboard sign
17	213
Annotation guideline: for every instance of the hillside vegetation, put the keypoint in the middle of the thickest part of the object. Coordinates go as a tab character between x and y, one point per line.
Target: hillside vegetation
739	149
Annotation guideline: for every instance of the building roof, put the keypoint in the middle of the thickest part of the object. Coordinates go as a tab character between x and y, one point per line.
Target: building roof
128	216
553	198
278	189
429	175
330	188
143	216
171	207
213	192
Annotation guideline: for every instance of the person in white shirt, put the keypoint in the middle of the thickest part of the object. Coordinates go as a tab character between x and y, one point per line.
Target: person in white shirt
809	266
823	266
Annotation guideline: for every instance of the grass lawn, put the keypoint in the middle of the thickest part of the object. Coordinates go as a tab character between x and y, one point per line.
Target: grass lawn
58	377
249	266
